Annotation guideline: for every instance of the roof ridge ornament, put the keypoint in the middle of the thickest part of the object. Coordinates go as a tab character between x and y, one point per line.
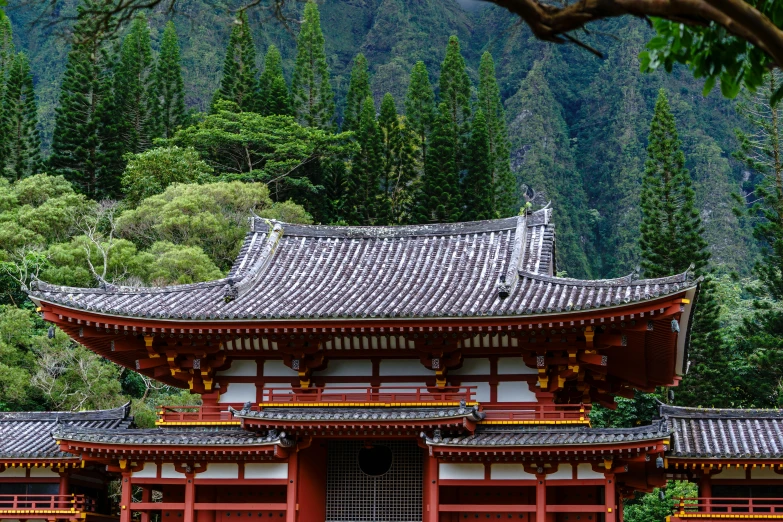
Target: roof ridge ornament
508	281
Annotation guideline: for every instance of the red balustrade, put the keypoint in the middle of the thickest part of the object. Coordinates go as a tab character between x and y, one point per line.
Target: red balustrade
379	394
12	505
537	412
195	414
699	506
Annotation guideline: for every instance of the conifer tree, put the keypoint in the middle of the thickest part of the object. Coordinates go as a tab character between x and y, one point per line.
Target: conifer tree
420	109
6	47
399	164
275	99
21	139
311	92
438	198
672	239
169	88
239	83
85	96
358	91
367	204
504	200
477	186
455	93
133	89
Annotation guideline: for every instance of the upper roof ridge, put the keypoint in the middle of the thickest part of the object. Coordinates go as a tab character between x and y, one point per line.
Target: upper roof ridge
118	413
630	279
667	410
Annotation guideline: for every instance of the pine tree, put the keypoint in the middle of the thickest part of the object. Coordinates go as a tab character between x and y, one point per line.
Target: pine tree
313	99
358	91
367	204
420	109
438	198
672	240
455	93
134	89
505	201
21	139
239	83
477	186
169	88
399	163
6	47
275	99
85	93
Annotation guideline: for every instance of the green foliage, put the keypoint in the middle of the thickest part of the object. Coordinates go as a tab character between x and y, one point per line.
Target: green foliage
180	264
239	83
358	91
134	89
628	413
455	94
21	143
713	53
7	52
270	149
150	172
85	111
420	109
477	186
211	216
439	199
367	204
650	507
275	98
168	95
313	100
505	200
398	179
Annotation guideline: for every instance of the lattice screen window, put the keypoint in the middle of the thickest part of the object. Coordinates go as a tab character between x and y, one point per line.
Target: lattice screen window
354	496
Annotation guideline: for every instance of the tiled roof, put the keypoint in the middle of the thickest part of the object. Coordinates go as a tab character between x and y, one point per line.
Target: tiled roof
283	271
538	436
725	433
172	437
27	434
338	414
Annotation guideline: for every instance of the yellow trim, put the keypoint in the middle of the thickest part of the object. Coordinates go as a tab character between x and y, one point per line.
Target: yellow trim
726	515
38	512
198	423
356	404
536	421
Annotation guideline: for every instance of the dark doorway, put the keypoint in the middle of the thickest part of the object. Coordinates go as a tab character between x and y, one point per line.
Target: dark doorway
374	482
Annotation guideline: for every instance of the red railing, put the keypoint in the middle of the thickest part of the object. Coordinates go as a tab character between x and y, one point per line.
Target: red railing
45	503
196	414
729	505
379	394
537	412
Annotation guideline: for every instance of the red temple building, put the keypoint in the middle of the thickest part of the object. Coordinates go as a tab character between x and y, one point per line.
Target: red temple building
432	373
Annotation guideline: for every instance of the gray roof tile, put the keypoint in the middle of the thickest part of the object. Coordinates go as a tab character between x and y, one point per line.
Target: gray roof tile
339	414
171	437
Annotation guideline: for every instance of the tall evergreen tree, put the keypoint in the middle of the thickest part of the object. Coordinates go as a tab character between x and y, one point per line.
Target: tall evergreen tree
85	93
420	109
477	187
438	198
21	142
672	240
6	47
455	93
367	204
134	89
275	99
505	201
358	91
313	98
399	163
239	83
169	88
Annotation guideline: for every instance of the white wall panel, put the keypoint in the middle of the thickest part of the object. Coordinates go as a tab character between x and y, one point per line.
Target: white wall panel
515	391
169	471
472	366
510	472
765	474
730	474
481	393
240	368
564	472
13	473
514	366
220	470
239	392
402	367
43	473
277	368
585	471
455	471
270	470
148	470
347	368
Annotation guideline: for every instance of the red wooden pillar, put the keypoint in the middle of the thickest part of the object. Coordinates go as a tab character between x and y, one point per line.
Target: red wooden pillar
190	498
125	497
64	487
432	490
705	489
540	498
290	504
610	498
146	496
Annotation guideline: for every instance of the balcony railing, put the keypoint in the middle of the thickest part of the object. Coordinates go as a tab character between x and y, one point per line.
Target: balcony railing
698	507
11	506
197	415
537	412
382	395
